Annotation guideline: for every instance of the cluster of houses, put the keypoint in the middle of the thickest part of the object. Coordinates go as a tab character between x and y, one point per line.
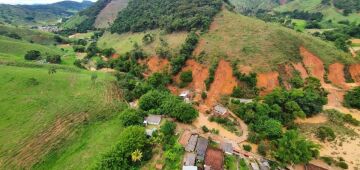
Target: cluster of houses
200	154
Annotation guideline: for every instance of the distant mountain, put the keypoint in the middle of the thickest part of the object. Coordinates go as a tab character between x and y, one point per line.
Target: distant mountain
40	14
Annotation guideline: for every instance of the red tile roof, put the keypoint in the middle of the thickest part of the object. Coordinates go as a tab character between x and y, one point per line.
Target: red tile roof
214	158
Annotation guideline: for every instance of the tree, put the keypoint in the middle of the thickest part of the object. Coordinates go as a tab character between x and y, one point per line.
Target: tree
32	55
272	129
108	52
151	100
262	148
247	148
168	128
325	133
186	76
131	117
293	148
136	155
131	139
184	113
352	98
54	59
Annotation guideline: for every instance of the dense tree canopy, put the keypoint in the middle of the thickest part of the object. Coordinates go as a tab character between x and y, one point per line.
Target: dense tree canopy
130	117
292	148
352	98
171	15
133	138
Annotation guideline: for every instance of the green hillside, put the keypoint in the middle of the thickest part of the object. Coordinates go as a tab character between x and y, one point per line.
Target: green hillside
261	45
67	106
329	11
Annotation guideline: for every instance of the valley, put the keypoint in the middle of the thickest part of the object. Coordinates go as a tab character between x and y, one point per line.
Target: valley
203	84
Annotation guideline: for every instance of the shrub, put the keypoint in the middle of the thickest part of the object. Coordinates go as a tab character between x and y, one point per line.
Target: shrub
79	48
342	165
325	133
262	148
247	148
203	95
168	128
148	39
108	52
77	63
186	76
205	129
54	59
33	55
131	117
352	98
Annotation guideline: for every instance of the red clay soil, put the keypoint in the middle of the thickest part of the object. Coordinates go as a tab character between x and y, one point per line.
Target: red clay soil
267	82
313	64
156	64
355	72
336	74
115	56
200	74
214	158
224	83
299	67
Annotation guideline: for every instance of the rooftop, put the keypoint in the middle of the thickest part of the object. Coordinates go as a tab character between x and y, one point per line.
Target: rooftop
220	109
189	168
153	119
201	147
189	159
227	147
192	143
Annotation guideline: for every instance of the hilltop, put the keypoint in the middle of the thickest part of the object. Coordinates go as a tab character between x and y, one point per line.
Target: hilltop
40	14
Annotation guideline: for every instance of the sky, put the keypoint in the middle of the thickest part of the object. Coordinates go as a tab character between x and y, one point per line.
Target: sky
32	1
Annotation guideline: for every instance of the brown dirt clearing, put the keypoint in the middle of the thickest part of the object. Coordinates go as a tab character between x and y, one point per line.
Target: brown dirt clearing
267	82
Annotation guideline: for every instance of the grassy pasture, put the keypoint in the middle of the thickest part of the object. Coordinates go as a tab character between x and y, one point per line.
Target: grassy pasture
32	101
299	24
124	42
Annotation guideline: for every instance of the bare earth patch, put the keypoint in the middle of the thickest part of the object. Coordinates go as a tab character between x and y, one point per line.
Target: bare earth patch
267	82
156	64
224	83
300	68
355	72
314	65
336	74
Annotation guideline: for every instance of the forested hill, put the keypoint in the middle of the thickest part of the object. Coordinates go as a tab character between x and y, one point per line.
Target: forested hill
40	14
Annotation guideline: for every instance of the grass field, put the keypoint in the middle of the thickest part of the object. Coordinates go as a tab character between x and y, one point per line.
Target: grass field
263	46
299	25
329	12
14	50
59	121
35	36
124	42
73	22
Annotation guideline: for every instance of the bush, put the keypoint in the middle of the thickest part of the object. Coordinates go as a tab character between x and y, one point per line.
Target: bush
186	76
203	95
148	39
247	148
33	55
108	52
77	63
325	133
262	148
352	98
54	59
168	128
131	117
79	48
205	129
342	165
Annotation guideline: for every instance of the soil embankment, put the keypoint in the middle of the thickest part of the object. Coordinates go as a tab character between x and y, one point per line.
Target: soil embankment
267	82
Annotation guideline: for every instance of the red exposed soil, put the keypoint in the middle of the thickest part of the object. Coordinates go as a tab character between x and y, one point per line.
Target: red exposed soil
299	67
214	158
355	72
224	83
200	74
336	74
267	82
314	65
115	56
157	64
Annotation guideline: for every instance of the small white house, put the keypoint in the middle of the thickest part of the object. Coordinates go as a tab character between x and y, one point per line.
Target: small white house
220	110
152	120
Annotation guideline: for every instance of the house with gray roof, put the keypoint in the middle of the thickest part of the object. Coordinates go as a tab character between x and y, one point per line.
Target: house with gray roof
189	159
220	110
192	143
201	147
152	120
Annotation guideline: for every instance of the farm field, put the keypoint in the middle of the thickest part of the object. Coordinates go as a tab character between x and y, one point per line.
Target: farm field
42	113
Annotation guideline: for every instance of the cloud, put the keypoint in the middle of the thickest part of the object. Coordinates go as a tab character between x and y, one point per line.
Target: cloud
32	1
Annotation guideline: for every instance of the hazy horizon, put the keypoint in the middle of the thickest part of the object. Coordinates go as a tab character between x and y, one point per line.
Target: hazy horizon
31	2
